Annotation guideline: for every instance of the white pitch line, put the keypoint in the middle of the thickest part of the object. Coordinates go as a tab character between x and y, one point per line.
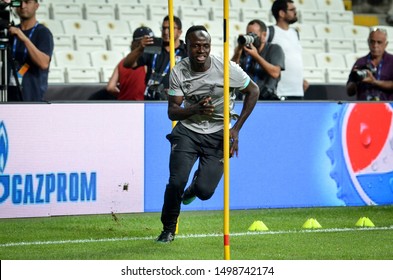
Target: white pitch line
192	236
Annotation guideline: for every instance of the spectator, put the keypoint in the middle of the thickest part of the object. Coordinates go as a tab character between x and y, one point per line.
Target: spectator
292	85
198	82
158	65
261	60
31	51
129	83
371	77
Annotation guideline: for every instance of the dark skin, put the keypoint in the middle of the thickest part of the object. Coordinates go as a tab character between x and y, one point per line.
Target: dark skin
198	48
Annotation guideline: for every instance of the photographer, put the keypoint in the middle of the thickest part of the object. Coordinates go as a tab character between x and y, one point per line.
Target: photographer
262	61
31	47
371	77
158	64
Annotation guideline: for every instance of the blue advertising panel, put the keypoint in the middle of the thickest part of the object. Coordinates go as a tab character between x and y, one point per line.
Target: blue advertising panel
292	154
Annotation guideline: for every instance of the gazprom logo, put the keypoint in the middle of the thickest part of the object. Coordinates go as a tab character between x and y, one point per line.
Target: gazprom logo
45	187
3	147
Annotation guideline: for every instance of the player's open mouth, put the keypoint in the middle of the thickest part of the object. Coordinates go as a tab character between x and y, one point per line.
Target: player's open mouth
201	58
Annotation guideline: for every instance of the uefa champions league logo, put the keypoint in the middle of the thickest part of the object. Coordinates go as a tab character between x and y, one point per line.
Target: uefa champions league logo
3	147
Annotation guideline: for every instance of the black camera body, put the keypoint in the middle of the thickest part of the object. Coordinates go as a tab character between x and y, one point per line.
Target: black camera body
249	38
155	92
360	74
5	17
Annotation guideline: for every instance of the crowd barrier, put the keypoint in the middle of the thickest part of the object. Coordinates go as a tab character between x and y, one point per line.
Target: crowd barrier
97	158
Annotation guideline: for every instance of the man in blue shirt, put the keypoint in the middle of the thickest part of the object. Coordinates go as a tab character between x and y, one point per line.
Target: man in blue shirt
31	48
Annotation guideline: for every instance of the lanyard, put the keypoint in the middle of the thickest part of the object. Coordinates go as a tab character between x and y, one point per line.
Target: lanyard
153	67
25	50
256	68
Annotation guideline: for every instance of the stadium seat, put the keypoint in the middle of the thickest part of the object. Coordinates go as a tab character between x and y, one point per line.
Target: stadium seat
309	59
356	31
329	31
129	11
55	26
63	11
105	58
305	30
56	75
211	3
344	45
154	25
63	42
211	26
131	2
250	13
65	58
314	75
249	3
43	12
350	58
337	76
112	26
302	5
194	13
120	43
106	73
361	46
237	27
94	1
96	11
330	60
56	1
80	26
81	75
157	12
312	17
217	13
330	5
90	42
313	45
340	17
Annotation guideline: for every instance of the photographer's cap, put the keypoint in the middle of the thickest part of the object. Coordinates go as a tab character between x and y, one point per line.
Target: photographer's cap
142	31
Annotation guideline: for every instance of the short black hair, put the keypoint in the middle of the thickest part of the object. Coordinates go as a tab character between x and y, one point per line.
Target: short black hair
262	25
195	28
176	20
279	5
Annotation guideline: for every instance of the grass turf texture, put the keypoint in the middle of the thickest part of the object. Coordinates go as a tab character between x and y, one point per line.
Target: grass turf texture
131	236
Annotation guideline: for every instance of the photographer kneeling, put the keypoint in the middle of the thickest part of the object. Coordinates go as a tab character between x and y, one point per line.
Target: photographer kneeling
371	77
262	61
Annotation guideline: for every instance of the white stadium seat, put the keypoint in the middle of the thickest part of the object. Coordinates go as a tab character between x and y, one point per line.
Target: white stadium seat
80	26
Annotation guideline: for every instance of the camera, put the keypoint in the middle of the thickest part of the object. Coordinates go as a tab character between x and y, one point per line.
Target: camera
249	38
5	15
156	47
155	92
361	73
268	94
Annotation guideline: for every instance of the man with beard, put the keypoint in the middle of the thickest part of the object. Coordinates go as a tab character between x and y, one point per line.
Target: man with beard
198	82
261	60
31	51
371	77
291	86
158	64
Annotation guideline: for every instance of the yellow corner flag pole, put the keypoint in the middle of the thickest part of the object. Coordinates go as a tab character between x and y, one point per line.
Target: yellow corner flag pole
227	255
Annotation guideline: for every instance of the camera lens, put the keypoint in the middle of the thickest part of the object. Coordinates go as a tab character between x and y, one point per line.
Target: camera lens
245	40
